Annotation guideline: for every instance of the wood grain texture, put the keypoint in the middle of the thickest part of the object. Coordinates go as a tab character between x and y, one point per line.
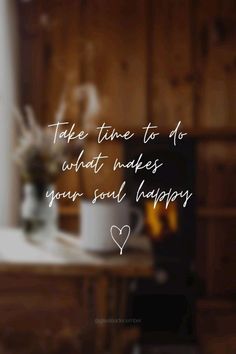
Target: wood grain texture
201	253
221	344
220	263
216	198
117	32
215	62
40	312
62	43
159	60
50	56
171	72
31	55
106	180
216	174
216	322
66	303
70	223
72	177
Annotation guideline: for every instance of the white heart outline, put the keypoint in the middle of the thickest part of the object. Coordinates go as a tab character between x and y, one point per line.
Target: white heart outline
120	232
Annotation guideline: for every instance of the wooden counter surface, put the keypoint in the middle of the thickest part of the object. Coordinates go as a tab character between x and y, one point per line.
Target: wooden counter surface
56	292
64	256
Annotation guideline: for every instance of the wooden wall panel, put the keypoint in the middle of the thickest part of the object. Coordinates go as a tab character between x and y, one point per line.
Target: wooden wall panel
216	175
216	324
216	200
69	181
201	252
221	344
101	41
70	222
221	261
62	44
50	56
216	249
49	62
173	47
215	62
106	180
31	55
171	71
117	32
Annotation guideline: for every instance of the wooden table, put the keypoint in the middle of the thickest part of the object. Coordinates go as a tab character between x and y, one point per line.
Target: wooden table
62	289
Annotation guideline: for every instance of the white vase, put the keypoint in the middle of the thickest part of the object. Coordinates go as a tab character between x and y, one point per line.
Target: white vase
39	219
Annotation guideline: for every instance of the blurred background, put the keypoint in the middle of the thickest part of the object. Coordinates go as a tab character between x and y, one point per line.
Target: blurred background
126	63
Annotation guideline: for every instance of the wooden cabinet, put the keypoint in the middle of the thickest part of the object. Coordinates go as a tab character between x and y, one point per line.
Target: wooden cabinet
55	302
